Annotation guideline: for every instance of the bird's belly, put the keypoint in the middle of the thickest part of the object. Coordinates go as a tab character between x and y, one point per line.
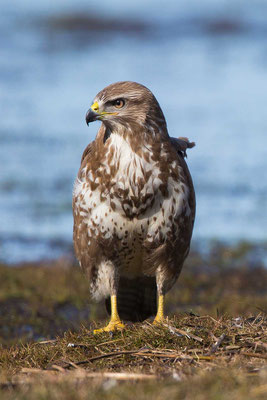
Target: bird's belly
126	234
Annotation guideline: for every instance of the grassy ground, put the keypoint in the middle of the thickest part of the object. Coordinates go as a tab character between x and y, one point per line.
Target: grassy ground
213	347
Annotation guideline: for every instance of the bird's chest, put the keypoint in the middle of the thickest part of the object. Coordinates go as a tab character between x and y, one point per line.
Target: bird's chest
111	197
130	180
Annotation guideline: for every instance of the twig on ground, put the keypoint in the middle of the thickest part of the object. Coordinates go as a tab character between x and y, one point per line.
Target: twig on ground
257	344
57	368
72	364
73	345
107	355
180	332
20	379
217	344
109	342
256	355
47	341
146	353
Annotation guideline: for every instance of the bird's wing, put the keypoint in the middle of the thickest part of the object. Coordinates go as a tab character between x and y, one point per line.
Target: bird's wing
87	151
87	255
79	229
92	147
181	144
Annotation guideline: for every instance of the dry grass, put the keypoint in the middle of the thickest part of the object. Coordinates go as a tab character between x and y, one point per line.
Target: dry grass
195	357
215	347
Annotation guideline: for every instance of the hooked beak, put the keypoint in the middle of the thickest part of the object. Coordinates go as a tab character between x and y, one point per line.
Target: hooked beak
91	116
93	113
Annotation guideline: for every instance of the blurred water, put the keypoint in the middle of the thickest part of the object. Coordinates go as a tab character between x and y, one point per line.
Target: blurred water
206	62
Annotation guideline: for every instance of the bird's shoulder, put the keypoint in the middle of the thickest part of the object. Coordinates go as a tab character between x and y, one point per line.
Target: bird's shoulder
94	150
87	152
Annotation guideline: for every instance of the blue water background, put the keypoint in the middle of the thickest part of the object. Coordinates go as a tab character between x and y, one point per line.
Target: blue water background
205	61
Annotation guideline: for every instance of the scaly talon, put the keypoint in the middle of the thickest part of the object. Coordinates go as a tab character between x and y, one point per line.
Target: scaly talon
159	319
115	323
111	327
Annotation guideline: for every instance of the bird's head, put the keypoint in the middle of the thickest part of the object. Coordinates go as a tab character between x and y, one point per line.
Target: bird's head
124	103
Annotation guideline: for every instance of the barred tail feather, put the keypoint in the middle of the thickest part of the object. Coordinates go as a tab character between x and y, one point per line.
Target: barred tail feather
136	299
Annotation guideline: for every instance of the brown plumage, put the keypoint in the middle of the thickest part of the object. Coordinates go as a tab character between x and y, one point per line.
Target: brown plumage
133	202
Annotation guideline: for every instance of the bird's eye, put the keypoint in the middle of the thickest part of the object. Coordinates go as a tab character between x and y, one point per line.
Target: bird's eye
119	103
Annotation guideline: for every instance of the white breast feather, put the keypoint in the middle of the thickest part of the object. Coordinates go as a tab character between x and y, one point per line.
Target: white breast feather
130	163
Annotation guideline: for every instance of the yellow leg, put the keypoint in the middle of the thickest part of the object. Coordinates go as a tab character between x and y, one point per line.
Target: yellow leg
159	319
115	322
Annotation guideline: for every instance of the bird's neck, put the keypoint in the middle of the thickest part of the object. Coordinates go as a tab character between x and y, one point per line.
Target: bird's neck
137	136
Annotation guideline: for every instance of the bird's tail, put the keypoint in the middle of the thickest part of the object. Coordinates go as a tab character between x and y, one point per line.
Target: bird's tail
136	299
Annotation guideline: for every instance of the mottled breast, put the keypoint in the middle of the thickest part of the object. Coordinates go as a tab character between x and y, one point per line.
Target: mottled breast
134	197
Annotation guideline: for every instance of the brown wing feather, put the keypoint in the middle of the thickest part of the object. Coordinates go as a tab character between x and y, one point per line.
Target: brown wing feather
87	151
89	257
181	144
170	254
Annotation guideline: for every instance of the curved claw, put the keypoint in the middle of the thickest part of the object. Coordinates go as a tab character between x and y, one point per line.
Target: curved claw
159	320
115	324
111	327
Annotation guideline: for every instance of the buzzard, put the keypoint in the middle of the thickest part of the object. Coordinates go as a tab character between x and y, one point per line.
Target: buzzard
133	205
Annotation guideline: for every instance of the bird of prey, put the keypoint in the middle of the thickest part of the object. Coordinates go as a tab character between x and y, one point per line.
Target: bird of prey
133	205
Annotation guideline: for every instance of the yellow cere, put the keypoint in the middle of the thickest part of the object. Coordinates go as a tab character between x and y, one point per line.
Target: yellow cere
95	107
